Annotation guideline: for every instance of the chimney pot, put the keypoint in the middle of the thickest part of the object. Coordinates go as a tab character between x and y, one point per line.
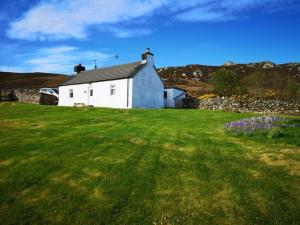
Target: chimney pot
79	68
148	57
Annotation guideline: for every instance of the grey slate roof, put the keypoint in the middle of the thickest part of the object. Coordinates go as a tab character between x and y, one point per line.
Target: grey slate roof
104	74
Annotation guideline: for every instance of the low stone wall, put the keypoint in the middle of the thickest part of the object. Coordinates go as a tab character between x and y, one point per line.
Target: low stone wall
27	96
48	100
190	103
246	104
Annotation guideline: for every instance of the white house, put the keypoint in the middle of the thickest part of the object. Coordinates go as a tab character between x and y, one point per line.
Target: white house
132	85
173	97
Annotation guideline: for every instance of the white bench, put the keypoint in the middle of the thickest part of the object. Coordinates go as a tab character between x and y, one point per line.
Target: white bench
79	104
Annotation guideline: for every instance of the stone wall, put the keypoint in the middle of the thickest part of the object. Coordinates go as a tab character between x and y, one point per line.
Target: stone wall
190	102
246	104
27	96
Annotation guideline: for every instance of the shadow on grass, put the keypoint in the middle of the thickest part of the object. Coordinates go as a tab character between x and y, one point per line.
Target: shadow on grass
121	169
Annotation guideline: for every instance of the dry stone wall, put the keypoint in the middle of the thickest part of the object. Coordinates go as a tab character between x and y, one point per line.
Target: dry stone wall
27	96
246	104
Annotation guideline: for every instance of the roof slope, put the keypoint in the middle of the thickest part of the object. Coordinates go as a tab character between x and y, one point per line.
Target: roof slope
104	74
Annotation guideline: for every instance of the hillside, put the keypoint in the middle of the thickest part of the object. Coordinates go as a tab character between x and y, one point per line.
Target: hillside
30	80
194	78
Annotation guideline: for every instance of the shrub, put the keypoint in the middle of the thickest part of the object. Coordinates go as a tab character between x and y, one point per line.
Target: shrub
207	96
275	132
226	83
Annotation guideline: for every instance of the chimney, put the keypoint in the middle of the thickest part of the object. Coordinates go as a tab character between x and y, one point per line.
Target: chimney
148	57
79	68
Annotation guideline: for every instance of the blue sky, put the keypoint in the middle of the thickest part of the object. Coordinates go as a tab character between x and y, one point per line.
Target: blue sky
54	35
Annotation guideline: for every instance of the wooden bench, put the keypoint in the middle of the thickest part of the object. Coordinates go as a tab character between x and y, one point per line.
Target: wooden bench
79	104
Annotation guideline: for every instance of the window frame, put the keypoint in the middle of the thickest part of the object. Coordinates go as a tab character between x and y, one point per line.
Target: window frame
112	90
71	93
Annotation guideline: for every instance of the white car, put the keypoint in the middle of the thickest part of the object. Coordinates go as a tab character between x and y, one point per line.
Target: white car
50	91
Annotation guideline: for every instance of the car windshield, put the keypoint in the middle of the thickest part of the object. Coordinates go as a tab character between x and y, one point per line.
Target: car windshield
55	90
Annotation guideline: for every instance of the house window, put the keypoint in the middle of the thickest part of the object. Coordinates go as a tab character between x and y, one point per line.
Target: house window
71	94
91	92
112	89
165	94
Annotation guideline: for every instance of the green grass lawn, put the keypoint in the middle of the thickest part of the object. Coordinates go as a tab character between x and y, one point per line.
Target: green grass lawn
104	166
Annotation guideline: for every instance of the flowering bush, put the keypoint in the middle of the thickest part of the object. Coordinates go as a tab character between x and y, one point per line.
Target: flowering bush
207	96
270	125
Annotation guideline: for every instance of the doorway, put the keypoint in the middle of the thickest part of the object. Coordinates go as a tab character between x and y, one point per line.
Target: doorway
90	96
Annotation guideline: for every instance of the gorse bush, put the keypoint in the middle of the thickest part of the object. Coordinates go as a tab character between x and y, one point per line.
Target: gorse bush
207	96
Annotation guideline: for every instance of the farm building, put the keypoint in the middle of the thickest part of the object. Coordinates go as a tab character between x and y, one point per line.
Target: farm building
132	85
173	97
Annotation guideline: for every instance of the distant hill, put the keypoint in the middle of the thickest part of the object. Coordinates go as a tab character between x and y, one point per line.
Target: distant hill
30	80
194	78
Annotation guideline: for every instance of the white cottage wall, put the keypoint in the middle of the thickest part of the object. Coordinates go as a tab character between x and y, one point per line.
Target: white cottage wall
79	94
101	94
103	98
147	89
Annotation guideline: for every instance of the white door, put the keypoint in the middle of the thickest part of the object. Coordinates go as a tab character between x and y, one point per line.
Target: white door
90	96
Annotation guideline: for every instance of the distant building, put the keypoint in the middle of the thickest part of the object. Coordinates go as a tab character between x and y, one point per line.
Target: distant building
132	85
173	97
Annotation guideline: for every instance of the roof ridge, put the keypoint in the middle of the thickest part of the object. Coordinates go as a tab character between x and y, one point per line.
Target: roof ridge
111	67
109	73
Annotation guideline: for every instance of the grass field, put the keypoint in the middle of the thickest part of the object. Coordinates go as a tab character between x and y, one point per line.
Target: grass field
104	166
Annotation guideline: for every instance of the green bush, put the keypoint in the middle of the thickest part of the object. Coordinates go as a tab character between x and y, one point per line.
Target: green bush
226	83
275	132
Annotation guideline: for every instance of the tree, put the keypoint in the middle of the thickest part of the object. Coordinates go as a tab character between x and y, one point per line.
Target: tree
226	83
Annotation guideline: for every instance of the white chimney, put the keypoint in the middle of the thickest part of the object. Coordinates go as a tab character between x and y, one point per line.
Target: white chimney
148	57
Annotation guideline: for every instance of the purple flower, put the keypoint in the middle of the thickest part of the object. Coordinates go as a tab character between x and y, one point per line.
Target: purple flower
254	125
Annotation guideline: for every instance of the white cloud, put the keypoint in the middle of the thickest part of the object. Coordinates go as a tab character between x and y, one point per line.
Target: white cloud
204	15
220	11
242	4
126	32
58	50
59	59
69	18
54	19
